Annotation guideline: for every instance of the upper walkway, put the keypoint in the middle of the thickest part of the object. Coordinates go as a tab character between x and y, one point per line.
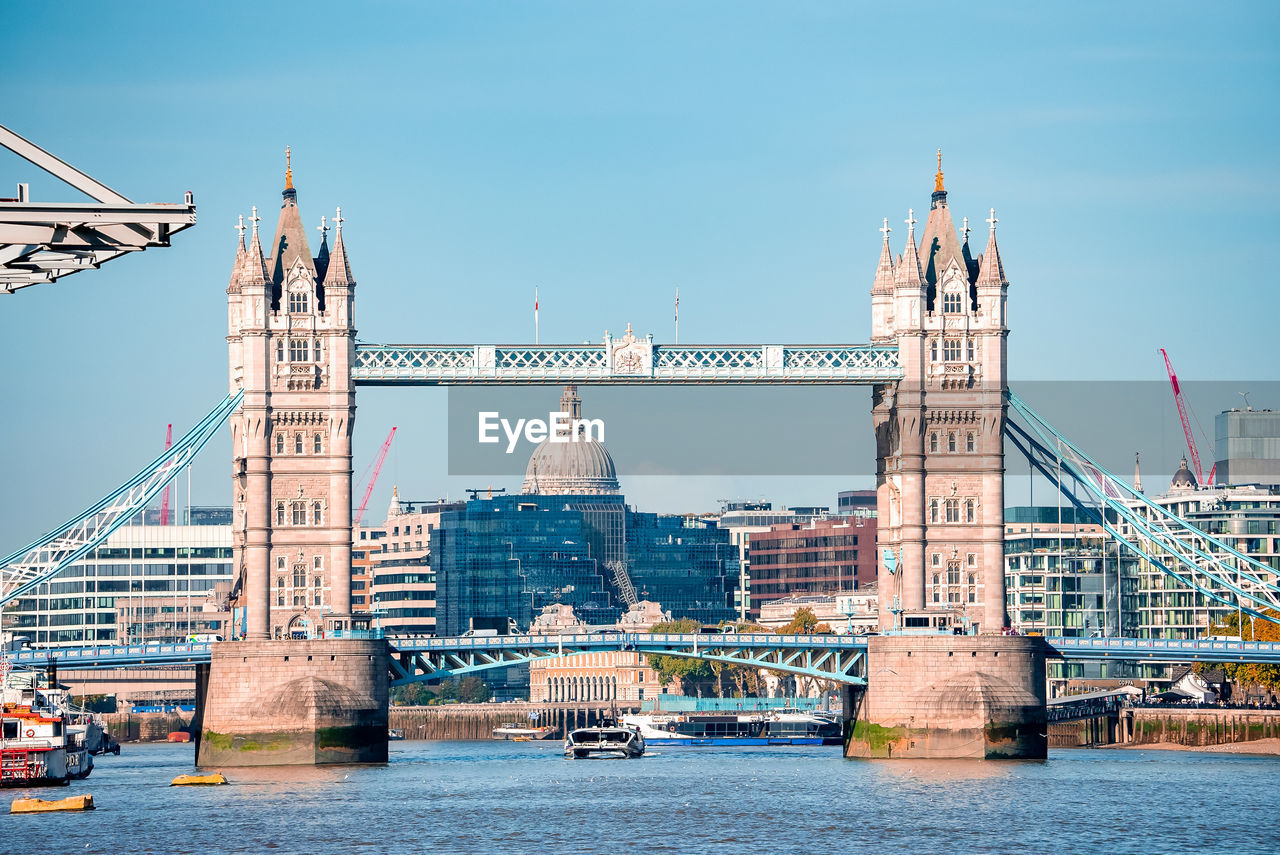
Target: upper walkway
643	362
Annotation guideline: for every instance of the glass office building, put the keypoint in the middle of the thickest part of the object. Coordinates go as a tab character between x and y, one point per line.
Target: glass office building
508	557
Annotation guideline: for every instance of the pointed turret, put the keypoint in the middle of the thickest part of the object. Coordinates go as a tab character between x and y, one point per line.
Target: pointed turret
289	247
1137	472
992	272
254	269
338	269
322	257
939	247
883	283
907	273
238	267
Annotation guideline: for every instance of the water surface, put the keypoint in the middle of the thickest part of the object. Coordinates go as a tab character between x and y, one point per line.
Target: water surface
512	798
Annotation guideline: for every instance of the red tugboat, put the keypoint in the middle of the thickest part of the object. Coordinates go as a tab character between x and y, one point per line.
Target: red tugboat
40	743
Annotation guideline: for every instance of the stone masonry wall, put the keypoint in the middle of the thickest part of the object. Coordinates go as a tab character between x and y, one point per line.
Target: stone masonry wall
295	702
952	696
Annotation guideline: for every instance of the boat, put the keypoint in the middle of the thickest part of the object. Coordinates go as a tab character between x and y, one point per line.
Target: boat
776	727
514	731
42	742
395	733
603	741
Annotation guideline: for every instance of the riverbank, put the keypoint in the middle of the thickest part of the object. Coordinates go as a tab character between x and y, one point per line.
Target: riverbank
1259	747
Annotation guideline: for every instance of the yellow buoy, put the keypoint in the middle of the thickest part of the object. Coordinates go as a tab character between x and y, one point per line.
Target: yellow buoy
84	802
199	780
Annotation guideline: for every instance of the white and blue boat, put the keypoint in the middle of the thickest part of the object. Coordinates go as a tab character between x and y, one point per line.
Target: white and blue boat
776	727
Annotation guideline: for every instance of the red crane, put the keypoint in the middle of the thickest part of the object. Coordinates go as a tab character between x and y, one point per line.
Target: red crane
1186	425
377	467
164	502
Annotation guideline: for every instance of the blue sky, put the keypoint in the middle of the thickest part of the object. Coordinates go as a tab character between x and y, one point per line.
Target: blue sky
609	152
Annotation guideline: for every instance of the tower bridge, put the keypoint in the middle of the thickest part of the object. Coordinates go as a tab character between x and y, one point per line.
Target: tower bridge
937	366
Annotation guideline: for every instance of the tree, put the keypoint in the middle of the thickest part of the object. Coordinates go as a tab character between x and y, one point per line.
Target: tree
412	694
1254	629
805	622
692	673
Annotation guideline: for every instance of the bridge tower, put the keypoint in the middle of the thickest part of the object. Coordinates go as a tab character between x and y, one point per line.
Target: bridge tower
291	336
940	429
302	686
940	496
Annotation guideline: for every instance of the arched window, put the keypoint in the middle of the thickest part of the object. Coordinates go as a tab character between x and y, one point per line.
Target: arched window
279	443
933	510
969	510
279	350
969	442
317	515
298	301
973	588
297	443
951	443
316	348
953	572
937	588
933	351
951	349
279	590
279	513
953	510
933	442
317	444
298	511
951	302
971	350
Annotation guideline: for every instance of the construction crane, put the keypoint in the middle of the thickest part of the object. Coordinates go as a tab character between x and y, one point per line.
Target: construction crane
1186	425
164	502
377	467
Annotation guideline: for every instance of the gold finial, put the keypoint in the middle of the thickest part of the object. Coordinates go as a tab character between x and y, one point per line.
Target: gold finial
937	179
288	169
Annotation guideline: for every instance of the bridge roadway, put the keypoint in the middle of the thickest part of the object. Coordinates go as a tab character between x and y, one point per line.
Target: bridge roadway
831	657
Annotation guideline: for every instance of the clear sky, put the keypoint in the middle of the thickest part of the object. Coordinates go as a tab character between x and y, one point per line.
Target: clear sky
745	151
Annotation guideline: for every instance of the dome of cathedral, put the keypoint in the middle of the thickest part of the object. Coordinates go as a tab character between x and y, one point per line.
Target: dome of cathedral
567	467
1183	479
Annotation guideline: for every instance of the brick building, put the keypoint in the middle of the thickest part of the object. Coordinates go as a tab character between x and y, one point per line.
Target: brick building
820	557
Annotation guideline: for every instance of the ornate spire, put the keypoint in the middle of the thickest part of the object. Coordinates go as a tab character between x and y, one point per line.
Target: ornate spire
288	168
570	402
238	268
937	179
992	272
884	270
255	266
338	272
1137	473
908	273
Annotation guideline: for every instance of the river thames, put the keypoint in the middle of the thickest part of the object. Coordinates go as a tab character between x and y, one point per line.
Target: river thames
516	798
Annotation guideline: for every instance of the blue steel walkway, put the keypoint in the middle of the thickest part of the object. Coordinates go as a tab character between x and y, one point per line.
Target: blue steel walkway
828	657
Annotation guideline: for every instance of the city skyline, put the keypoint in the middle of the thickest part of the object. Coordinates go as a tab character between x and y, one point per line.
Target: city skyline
738	181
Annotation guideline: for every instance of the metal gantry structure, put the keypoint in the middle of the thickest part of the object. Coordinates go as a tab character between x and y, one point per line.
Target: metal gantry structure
47	556
836	658
556	364
43	241
1195	558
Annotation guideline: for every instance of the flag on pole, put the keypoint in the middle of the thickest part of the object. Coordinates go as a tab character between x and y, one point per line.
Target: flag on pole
535	314
677	314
